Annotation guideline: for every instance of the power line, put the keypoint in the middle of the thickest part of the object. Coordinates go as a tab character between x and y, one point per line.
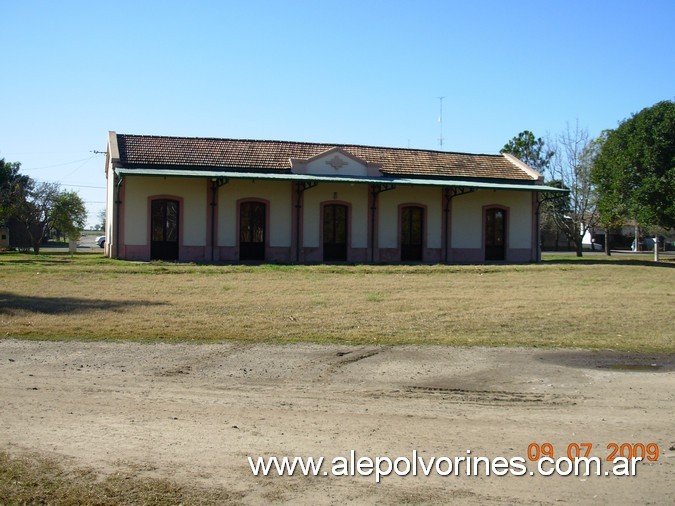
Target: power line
72	185
77	168
60	164
82	186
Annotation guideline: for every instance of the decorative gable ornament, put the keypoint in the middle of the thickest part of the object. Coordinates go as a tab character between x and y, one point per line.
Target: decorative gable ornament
343	163
336	162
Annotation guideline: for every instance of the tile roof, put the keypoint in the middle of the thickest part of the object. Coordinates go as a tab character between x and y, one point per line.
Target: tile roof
274	156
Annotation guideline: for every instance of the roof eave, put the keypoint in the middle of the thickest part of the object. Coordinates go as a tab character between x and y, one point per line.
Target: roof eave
537	176
291	177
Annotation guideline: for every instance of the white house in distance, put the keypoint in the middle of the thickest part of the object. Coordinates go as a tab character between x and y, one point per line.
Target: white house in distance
229	200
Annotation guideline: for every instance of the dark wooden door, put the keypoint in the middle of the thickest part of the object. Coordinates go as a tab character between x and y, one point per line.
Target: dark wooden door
164	229
334	233
252	217
495	234
412	233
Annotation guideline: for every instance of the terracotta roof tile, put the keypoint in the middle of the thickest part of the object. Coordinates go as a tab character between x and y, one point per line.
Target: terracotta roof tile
236	154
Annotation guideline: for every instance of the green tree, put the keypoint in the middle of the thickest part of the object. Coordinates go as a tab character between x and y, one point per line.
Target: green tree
530	150
634	172
611	208
69	214
101	218
35	210
38	207
12	186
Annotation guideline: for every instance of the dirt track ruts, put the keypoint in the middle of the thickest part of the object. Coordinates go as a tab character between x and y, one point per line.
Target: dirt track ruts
193	413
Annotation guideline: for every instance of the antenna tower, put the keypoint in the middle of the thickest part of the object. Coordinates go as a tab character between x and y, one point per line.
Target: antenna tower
440	121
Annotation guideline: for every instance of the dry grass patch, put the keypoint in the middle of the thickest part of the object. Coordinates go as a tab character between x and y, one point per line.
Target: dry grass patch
622	304
35	480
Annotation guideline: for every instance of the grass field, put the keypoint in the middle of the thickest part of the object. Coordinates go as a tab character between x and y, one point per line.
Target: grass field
36	480
621	303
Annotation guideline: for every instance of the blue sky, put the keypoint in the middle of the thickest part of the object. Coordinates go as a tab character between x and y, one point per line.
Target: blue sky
362	72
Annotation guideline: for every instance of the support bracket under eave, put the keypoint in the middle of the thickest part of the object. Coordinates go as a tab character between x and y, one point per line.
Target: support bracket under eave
301	188
376	189
220	181
451	192
305	185
216	183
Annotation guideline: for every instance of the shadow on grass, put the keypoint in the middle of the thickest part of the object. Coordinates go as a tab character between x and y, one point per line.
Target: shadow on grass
591	261
10	302
51	259
39	261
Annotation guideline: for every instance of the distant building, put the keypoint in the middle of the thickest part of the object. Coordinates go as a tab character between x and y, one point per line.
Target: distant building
229	200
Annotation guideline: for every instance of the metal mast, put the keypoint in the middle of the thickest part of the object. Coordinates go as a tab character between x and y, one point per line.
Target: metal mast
440	121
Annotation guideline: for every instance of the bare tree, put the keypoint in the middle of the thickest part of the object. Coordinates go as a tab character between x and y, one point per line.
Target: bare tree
571	168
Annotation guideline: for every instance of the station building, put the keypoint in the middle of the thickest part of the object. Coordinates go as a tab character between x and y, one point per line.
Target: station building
230	200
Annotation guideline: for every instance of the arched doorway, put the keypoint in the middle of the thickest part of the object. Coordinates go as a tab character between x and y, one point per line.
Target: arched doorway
412	233
335	232
252	217
495	234
164	229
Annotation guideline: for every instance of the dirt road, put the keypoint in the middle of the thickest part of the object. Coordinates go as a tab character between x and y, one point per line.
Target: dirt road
193	413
